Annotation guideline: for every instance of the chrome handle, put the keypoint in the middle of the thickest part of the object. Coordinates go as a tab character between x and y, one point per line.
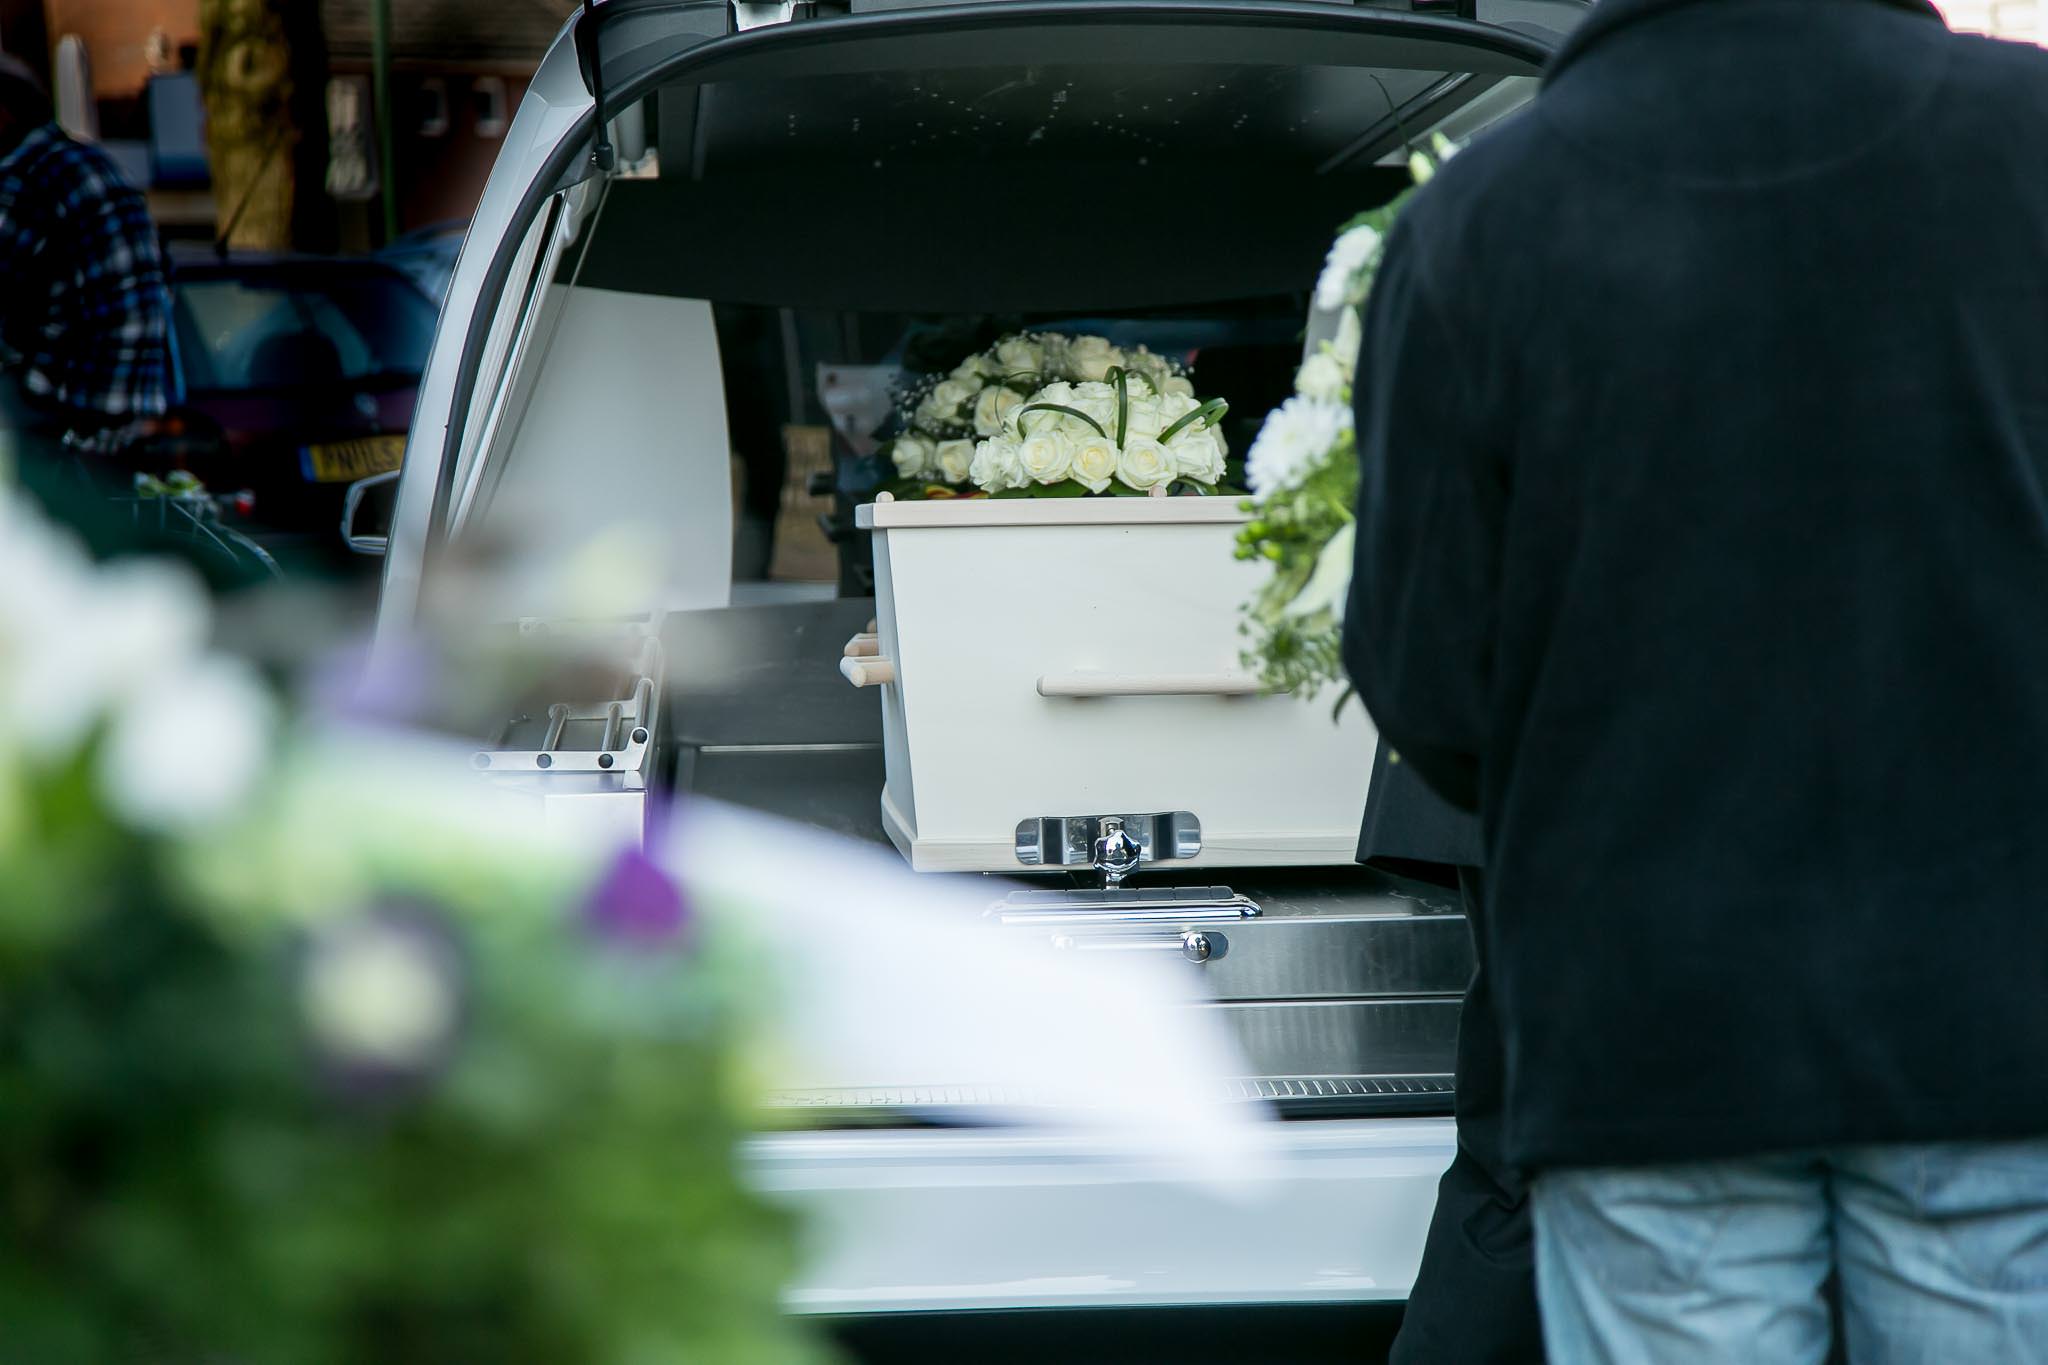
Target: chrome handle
1193	945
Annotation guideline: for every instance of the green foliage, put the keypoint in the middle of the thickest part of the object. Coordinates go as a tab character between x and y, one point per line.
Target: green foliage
187	1176
1299	654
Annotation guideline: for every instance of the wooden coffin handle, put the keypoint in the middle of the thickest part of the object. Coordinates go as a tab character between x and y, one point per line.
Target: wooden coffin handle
1085	683
867	672
864	646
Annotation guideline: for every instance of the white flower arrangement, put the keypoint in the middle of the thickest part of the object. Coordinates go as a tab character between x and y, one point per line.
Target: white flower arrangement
1127	429
1303	470
943	418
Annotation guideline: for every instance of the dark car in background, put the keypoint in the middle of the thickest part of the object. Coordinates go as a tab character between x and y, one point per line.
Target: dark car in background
427	255
299	377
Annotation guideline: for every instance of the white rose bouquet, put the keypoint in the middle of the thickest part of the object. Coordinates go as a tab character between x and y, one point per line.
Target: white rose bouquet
1128	432
942	417
1303	472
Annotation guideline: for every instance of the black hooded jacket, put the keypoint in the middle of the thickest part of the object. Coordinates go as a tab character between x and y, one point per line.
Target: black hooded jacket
1703	548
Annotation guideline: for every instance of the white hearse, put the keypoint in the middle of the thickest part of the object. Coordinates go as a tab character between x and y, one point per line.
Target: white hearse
717	233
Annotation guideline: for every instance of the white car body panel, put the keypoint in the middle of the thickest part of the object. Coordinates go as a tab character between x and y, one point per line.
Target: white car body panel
916	1221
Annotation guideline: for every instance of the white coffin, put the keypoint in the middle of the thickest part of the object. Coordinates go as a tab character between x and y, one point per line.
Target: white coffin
1080	657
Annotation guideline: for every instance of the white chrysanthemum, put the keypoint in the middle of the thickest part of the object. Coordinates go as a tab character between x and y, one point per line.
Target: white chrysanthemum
189	747
1296	437
1349	254
1322	377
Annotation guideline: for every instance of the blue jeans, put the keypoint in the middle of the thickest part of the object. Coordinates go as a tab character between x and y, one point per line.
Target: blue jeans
1941	1253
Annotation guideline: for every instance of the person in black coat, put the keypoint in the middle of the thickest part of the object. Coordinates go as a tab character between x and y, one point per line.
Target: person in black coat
1474	1298
1703	550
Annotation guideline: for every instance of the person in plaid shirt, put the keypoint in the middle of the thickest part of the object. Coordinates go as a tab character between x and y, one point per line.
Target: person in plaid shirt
85	315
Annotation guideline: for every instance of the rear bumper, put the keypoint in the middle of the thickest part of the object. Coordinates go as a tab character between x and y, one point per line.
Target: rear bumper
908	1220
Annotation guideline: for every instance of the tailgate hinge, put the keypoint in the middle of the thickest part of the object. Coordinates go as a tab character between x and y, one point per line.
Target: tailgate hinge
748	14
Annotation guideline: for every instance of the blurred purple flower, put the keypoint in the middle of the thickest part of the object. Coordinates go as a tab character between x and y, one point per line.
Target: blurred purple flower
638	903
395	684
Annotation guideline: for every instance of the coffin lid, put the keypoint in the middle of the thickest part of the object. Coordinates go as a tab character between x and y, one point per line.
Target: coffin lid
886	513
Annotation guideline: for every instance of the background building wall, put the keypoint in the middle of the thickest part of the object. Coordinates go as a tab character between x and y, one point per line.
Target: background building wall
116	34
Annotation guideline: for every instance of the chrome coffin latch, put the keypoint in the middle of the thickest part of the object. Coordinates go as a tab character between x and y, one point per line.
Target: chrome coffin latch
1116	853
1114	845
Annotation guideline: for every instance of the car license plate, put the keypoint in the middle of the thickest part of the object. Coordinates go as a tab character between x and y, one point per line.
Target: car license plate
346	461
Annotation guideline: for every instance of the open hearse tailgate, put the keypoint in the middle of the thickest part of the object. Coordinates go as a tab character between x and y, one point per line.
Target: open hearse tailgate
821	169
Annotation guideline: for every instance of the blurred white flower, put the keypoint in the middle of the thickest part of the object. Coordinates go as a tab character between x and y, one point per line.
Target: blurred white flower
94	636
1019	355
912	455
1350	253
1177	387
974	369
950	396
1420	167
1322	377
1329	583
377	993
188	747
1296	437
1092	357
1350	336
